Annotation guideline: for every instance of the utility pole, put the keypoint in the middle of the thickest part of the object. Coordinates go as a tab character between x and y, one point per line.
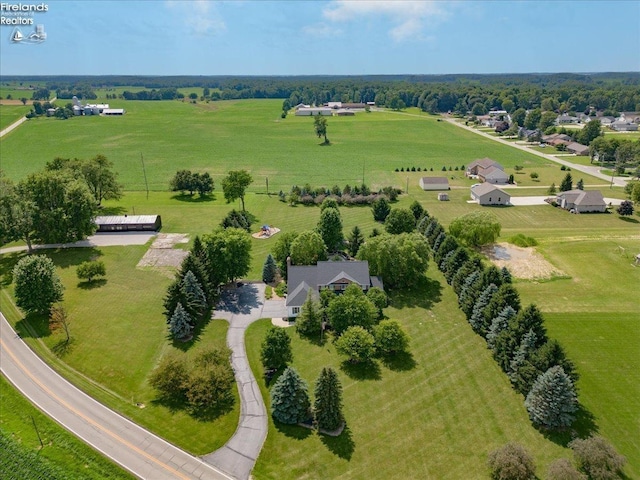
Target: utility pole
144	171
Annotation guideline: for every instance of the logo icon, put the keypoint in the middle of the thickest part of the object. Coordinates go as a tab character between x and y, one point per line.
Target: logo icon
37	36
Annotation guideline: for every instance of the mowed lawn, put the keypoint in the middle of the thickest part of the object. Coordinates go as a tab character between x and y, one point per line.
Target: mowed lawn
10	114
118	335
595	315
435	414
221	136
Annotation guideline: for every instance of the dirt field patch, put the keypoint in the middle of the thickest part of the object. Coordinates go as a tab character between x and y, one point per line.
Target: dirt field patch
161	253
523	263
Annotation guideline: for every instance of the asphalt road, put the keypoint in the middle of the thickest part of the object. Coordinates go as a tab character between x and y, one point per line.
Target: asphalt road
137	450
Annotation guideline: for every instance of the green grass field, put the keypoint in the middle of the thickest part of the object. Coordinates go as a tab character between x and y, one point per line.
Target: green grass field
459	404
62	452
121	318
11	113
220	136
440	410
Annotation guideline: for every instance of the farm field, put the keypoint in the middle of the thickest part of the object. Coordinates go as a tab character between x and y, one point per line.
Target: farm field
62	452
458	398
220	136
11	113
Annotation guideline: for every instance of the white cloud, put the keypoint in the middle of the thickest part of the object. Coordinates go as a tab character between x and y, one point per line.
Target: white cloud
409	17
321	30
200	16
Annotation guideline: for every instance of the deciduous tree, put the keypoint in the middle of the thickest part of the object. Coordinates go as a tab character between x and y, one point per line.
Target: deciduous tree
320	127
596	457
476	228
512	462
357	344
275	351
351	308
37	285
89	270
235	184
400	220
308	248
330	228
390	337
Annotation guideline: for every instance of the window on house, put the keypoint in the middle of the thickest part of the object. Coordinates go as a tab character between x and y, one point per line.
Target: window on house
295	310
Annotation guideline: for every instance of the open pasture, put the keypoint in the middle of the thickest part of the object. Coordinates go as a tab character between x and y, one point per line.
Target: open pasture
221	136
11	113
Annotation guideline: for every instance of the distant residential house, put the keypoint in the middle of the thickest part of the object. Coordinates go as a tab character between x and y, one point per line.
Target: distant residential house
113	111
343	112
434	183
529	135
477	165
334	105
334	276
354	105
633	117
584	118
302	105
566	119
313	111
128	223
581	201
606	121
556	138
489	194
578	148
493	175
624	126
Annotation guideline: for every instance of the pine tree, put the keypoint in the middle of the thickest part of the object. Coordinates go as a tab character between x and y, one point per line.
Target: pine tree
580	184
491	275
471	265
521	357
194	297
355	241
309	321
173	297
290	398
455	263
506	295
449	244
469	293
193	264
567	183
438	241
498	324
180	323
477	317
328	400
506	275
552	400
269	269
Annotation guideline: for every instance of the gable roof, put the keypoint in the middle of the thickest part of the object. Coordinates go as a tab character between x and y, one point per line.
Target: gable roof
434	180
302	278
484	163
582	197
493	172
484	188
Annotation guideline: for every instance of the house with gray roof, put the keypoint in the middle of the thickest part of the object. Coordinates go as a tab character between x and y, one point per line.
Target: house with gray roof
489	194
477	165
578	148
580	201
335	276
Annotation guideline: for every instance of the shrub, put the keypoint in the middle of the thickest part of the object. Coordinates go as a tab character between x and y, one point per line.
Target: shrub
596	457
88	270
523	241
511	462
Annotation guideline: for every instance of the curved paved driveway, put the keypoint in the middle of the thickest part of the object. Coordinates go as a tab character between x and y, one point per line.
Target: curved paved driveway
137	450
241	307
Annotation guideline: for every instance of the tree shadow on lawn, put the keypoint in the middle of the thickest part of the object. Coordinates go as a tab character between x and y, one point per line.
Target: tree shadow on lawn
116	210
34	325
583	426
343	445
101	282
185	197
293	431
629	219
361	371
178	404
63	347
399	362
195	335
71	257
424	295
7	262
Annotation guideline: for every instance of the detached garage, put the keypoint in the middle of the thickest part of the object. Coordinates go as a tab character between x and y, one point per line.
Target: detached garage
434	183
129	223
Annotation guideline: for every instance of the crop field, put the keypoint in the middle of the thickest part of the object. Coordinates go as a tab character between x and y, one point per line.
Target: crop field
455	403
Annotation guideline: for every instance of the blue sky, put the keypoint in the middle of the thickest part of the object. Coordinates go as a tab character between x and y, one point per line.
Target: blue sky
333	37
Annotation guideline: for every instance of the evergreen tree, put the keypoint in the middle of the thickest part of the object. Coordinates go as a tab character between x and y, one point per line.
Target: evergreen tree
309	321
455	263
551	354
380	209
506	275
193	264
477	317
327	406
498	324
193	295
567	183
435	245
290	398
275	351
269	269
521	359
180	323
417	209
580	184
493	275
471	265
506	295
433	231
449	244
172	298
470	290
552	400
508	341
355	241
